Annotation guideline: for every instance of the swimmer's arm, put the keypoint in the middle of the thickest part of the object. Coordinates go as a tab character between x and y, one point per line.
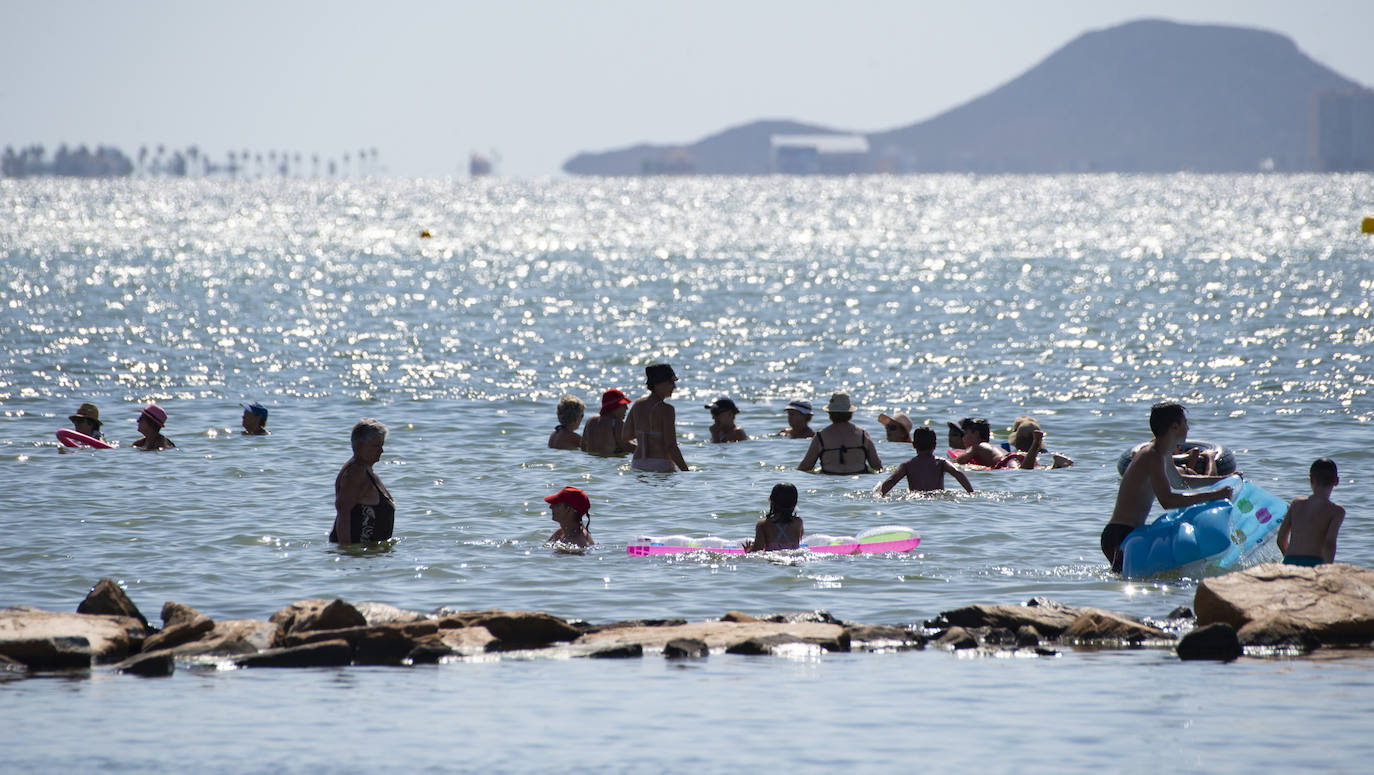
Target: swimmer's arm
813	451
1285	530
348	492
556	537
627	430
738	434
871	454
953	470
1329	545
1037	442
891	481
760	540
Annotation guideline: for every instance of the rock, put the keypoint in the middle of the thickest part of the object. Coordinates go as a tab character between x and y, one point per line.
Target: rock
468	641
428	651
719	635
108	599
685	648
53	653
151	664
233	637
109	638
1182	612
1048	617
629	650
309	615
1096	626
818	615
738	616
759	645
329	653
8	665
1210	641
585	628
1045	652
1333	604
1277	634
999	636
957	638
884	636
392	644
1027	637
185	630
174	613
515	629
383	613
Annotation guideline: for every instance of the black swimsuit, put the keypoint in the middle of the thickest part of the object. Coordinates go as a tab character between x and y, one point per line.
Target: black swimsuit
840	449
370	522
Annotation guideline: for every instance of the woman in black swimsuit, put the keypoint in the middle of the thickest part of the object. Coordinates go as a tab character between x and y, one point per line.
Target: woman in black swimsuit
363	509
843	447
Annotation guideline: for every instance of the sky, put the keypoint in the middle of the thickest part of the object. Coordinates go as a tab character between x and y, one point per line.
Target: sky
428	83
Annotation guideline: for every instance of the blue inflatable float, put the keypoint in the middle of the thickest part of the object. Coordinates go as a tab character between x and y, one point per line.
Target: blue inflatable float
1208	537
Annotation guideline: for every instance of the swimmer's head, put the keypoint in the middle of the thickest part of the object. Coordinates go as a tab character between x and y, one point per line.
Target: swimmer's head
1023	433
570	410
1323	472
978	426
1163	416
782	500
923	439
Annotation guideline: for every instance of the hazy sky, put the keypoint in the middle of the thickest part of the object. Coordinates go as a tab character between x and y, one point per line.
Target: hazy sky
427	82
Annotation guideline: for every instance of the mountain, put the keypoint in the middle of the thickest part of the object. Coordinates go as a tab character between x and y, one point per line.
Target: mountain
1146	96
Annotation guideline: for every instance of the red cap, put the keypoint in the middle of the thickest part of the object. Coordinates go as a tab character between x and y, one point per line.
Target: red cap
611	399
573	497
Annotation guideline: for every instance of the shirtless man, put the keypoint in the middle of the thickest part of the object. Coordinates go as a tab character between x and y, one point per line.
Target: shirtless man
651	424
602	434
1308	534
1147	479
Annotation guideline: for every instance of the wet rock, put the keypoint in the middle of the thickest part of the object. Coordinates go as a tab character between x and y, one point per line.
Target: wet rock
956	638
627	651
720	635
818	616
516	629
1333	604
108	638
1042	651
429	650
1048	617
884	636
1182	612
8	665
468	641
585	628
329	653
180	624
383	613
312	615
1096	626
1210	641
53	653
759	646
1278	634
229	638
685	648
152	664
386	644
738	616
107	598
1027	637
999	636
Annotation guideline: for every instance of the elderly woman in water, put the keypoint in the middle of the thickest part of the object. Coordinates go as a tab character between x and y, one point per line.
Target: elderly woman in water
841	447
363	509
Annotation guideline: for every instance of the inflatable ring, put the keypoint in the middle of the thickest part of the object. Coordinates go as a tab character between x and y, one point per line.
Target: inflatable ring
1226	459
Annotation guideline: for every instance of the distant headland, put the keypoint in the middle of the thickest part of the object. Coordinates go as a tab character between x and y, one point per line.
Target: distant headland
162	161
1146	96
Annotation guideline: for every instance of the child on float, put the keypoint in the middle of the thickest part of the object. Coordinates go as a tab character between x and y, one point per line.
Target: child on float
570	507
925	472
780	528
1307	536
151	420
1029	440
565	436
602	436
978	448
798	420
723	428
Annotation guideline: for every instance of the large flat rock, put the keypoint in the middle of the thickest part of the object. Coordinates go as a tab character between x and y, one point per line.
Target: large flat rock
1333	604
718	635
109	638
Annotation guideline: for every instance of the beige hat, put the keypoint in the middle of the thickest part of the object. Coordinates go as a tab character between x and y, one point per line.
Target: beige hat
87	412
900	419
839	402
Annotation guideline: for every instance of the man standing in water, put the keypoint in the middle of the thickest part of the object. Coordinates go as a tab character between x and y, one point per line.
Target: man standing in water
1147	479
652	424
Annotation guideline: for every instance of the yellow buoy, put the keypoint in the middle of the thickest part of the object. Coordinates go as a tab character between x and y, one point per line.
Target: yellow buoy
1367	226
424	234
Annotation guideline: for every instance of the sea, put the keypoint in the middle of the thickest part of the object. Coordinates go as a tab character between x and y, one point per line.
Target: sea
459	312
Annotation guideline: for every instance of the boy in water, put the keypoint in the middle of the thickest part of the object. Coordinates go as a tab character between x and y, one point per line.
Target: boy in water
925	472
254	419
564	436
1147	479
978	449
569	506
603	432
723	429
1308	534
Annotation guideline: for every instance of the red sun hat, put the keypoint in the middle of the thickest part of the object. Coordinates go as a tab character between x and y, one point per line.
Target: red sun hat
573	497
155	413
611	399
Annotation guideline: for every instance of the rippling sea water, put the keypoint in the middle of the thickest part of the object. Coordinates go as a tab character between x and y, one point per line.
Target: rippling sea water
1078	300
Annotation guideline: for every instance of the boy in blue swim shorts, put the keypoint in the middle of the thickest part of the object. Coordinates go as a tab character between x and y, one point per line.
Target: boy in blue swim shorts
1308	533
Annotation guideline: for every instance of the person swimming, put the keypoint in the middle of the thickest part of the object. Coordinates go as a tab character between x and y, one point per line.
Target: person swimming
569	507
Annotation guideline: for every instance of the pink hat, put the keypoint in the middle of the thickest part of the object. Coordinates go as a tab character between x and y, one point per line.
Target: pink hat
611	399
155	413
573	497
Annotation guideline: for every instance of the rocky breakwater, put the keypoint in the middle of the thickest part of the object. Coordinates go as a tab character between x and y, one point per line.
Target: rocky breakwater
1275	608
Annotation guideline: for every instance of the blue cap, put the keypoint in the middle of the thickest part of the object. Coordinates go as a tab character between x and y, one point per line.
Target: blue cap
256	408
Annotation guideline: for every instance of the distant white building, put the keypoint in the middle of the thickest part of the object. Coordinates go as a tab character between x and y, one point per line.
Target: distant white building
819	154
1343	130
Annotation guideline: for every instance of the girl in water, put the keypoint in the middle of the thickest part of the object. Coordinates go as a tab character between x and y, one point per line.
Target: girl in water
780	528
